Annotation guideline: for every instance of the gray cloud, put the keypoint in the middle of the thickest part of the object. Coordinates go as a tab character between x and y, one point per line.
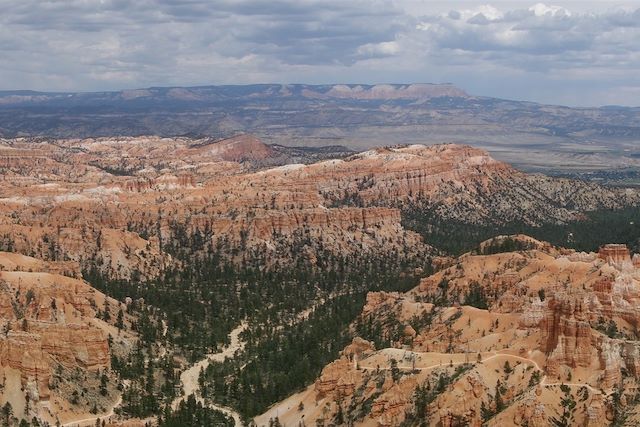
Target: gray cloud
550	34
545	53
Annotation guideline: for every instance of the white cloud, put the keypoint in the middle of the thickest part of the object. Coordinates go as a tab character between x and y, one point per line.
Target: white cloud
541	9
379	49
553	36
489	12
505	48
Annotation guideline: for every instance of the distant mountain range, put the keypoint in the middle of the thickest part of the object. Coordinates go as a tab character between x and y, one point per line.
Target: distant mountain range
529	135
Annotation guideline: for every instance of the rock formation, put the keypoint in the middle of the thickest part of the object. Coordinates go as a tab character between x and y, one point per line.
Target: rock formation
120	204
48	323
133	208
616	255
558	326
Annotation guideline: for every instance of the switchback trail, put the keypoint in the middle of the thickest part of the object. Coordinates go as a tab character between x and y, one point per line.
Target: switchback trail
91	421
494	355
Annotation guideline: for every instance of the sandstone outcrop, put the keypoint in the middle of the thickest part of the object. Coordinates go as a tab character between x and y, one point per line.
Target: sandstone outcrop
358	348
337	380
47	322
389	409
558	326
618	256
10	261
381	91
531	413
566	332
124	202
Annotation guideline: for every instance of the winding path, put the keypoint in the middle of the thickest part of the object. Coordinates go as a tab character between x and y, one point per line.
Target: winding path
91	421
436	365
189	377
543	380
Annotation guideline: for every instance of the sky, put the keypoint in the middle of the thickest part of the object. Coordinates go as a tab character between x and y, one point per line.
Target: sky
578	53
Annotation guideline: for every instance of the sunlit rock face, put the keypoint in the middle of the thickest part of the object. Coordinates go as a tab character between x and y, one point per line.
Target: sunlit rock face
48	321
120	204
535	326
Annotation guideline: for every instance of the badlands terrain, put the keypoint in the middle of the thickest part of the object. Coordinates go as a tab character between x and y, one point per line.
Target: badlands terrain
309	284
128	205
515	333
56	344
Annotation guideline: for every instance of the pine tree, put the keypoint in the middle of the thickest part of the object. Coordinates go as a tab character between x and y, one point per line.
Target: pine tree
120	320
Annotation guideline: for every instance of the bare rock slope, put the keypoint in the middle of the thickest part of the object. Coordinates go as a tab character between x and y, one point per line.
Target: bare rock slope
513	338
126	205
51	338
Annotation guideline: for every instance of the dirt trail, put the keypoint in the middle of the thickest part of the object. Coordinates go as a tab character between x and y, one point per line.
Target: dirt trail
190	384
189	377
91	421
543	381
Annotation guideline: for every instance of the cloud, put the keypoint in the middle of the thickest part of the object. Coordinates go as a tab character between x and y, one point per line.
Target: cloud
383	49
305	32
551	36
504	49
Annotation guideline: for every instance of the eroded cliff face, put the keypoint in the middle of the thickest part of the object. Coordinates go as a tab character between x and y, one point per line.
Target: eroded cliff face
128	205
117	252
459	183
135	207
48	327
526	336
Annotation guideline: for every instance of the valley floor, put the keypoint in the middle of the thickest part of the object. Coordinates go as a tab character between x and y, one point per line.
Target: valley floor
189	377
